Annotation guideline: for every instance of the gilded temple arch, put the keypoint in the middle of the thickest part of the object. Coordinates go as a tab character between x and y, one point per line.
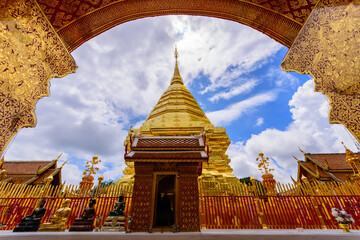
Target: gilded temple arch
63	25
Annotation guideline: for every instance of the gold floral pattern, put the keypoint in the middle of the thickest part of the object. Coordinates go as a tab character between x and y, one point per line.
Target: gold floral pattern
78	21
30	54
327	47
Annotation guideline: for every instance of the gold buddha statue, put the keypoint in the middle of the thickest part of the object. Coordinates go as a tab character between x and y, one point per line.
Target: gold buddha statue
58	220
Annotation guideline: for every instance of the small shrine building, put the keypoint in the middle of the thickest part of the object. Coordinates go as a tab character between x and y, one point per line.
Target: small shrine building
30	172
325	167
166	192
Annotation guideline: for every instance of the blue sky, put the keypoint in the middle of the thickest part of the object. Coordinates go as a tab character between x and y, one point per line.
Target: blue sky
262	79
232	70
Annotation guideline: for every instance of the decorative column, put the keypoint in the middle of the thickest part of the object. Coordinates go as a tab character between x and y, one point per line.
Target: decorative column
189	219
87	180
327	47
31	54
141	199
86	184
268	179
100	179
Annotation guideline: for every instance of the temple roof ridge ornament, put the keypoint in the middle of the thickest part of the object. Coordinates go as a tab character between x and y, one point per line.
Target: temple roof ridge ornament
177	77
353	160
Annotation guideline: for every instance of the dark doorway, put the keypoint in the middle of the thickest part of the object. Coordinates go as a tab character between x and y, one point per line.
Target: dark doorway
165	201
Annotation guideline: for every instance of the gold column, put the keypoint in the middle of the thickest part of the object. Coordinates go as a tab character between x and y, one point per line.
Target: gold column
327	47
31	53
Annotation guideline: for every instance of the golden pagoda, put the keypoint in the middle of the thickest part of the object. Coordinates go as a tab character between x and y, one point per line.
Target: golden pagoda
178	114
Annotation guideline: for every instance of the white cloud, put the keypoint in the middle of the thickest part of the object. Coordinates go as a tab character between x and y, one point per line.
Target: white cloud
236	110
281	78
219	49
71	174
259	122
309	130
121	75
234	91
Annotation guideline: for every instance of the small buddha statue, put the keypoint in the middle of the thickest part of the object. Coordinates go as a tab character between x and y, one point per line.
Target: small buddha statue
31	223
85	222
119	207
58	220
116	219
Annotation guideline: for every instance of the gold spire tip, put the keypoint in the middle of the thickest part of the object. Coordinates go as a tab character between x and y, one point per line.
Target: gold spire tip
176	78
176	52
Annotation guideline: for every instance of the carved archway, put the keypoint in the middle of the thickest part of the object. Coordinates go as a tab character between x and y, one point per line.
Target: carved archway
79	21
37	36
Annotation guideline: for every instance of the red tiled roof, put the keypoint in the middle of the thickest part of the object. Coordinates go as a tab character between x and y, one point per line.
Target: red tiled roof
336	161
28	171
24	168
342	176
309	165
18	180
312	167
41	178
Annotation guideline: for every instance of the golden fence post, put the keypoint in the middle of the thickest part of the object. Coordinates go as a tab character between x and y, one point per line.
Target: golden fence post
100	179
257	203
323	225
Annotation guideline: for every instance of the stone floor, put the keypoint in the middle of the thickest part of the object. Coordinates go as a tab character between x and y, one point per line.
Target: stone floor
203	235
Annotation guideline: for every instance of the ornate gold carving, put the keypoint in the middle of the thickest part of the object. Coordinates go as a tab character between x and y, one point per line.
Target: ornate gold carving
75	26
166	166
189	204
63	12
296	10
141	200
30	54
281	20
327	48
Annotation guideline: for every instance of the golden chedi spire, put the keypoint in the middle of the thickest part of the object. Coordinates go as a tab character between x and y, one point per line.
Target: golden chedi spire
176	78
178	114
177	111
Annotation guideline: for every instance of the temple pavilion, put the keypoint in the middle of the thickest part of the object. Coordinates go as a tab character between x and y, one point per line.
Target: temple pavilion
30	172
178	114
328	167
